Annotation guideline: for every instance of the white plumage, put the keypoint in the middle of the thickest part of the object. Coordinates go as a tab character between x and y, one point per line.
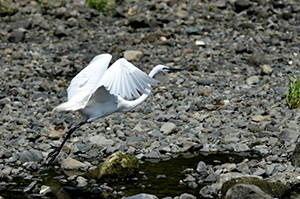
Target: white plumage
99	90
97	87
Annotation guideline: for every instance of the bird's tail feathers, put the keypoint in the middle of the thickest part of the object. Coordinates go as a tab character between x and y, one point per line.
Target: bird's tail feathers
69	106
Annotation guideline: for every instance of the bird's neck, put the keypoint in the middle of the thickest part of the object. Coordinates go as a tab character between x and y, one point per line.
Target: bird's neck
134	103
154	71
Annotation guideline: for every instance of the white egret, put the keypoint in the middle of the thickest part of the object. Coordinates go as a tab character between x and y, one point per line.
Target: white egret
98	91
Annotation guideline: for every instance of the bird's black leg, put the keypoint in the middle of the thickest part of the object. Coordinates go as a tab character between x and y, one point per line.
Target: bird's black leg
53	154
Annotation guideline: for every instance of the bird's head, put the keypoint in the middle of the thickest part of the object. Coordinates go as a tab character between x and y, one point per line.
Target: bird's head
163	68
167	68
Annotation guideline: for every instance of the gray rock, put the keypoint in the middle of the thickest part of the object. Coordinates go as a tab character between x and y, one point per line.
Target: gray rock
266	69
269	169
241	191
228	176
273	188
202	168
44	146
31	156
106	188
152	155
156	133
145	125
161	176
60	32
61	12
100	141
175	149
6	172
81	181
168	128
192	30
187	196
209	191
133	55
30	187
109	150
281	91
259	172
289	135
260	118
263	149
192	185
205	81
71	164
252	80
22	24
45	190
211	177
286	178
239	147
189	178
31	166
142	196
241	5
182	13
16	36
94	152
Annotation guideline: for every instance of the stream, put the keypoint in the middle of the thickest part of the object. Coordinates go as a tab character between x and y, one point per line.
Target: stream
157	177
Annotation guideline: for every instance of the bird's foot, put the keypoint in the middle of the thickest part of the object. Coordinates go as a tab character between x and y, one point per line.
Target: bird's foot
52	155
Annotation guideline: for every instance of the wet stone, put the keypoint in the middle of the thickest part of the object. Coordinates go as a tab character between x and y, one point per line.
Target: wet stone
202	168
45	190
244	190
211	177
30	187
81	182
187	196
142	195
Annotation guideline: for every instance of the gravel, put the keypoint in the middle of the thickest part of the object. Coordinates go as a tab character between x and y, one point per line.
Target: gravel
237	56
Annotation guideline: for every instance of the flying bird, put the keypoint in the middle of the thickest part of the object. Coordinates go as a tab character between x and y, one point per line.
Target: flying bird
98	91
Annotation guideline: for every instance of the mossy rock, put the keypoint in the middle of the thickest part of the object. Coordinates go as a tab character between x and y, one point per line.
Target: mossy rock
275	189
115	166
295	158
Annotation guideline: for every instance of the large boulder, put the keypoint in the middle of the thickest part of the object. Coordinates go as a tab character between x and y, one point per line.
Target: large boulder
275	189
241	191
116	165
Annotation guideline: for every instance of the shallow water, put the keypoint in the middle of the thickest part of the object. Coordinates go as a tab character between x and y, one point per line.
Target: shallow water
167	185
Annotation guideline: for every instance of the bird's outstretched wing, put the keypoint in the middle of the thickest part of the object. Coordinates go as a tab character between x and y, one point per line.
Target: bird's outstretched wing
83	84
124	79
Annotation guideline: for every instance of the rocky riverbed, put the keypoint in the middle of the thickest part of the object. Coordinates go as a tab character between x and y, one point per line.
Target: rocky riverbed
237	57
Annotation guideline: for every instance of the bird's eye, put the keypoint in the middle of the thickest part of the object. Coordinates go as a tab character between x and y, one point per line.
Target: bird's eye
165	68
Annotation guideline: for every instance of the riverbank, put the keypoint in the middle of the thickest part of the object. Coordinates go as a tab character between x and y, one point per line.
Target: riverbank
237	56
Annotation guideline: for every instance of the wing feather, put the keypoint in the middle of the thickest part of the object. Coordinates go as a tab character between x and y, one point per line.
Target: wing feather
137	83
146	86
127	91
131	85
85	81
124	79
